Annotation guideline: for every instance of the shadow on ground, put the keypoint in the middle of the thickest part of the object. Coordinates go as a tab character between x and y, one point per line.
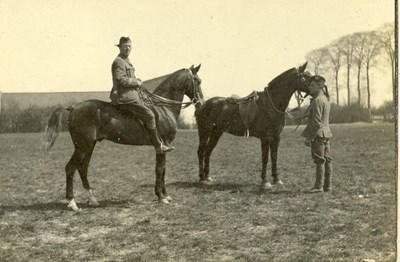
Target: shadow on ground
63	206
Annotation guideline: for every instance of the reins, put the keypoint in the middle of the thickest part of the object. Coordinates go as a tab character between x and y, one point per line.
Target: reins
150	98
286	112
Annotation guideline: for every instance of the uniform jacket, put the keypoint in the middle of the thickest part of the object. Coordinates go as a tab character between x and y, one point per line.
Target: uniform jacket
318	118
125	84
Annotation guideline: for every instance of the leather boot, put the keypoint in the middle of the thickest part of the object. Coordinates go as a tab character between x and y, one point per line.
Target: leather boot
320	168
158	145
328	175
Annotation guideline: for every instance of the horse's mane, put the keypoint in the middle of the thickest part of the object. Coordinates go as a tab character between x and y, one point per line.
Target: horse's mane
153	83
277	81
171	77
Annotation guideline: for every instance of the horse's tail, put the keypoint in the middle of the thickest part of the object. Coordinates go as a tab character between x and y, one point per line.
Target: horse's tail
53	127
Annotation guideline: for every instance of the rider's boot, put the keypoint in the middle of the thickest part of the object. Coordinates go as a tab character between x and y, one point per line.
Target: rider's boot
158	145
319	174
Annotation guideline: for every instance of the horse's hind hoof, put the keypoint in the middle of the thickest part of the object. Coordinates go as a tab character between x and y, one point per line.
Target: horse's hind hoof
164	201
266	186
278	182
168	198
206	181
94	203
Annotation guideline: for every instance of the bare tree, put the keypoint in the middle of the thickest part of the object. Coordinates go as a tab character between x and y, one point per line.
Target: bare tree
347	48
317	58
387	39
335	54
359	59
371	51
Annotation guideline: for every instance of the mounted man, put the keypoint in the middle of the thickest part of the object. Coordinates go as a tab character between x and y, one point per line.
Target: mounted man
125	94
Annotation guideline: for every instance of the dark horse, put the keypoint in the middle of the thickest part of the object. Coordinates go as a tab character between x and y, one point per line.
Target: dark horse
220	114
94	120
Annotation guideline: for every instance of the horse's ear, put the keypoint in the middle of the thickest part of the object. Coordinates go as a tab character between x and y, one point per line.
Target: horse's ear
196	69
303	67
192	67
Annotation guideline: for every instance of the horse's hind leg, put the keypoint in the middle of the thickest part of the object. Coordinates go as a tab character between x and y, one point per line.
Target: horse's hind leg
212	142
83	171
72	165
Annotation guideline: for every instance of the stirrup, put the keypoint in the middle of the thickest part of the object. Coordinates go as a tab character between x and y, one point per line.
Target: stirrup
164	149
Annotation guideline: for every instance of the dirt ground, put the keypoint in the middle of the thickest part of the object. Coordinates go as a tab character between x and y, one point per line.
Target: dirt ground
229	220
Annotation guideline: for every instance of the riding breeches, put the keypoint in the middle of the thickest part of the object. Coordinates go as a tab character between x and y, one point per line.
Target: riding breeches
142	112
320	150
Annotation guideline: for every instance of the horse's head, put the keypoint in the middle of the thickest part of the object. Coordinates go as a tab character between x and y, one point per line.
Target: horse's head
194	91
303	79
180	83
303	83
282	87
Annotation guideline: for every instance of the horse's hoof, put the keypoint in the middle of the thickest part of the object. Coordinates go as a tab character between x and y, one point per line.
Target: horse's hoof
278	182
94	203
74	208
164	201
206	181
72	205
168	198
266	186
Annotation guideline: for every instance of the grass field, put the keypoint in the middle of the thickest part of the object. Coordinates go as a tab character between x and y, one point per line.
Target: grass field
230	220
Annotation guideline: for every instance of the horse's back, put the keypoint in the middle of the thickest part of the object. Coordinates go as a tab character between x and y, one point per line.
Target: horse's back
218	112
97	120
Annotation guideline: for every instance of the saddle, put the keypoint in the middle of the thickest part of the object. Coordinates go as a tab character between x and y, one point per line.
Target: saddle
248	108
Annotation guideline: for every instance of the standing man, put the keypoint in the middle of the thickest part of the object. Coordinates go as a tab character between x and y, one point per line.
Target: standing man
125	93
317	134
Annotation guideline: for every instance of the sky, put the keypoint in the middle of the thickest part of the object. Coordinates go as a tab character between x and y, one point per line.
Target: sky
69	45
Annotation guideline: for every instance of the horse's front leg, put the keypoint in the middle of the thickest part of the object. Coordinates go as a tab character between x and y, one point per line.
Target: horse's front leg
201	156
274	161
160	170
204	135
264	153
164	190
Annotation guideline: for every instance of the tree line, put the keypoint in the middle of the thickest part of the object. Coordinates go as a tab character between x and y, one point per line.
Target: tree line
355	55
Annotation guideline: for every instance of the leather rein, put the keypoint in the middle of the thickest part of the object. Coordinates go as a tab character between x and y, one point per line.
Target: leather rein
152	99
299	98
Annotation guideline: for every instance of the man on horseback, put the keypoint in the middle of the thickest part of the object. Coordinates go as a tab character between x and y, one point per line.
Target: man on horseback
317	134
125	93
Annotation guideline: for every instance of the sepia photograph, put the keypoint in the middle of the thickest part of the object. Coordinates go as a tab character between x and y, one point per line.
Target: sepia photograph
171	130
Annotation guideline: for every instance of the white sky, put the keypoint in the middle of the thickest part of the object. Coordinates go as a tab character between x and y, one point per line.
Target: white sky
68	45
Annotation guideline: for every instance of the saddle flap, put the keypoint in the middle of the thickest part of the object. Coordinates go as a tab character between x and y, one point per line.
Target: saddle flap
248	109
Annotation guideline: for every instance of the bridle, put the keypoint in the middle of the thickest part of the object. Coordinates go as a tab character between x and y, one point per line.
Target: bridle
195	89
152	99
299	97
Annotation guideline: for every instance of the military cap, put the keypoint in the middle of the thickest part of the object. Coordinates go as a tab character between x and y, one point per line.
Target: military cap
124	40
318	79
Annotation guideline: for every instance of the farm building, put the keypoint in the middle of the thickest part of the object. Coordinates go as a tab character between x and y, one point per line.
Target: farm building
43	99
24	100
